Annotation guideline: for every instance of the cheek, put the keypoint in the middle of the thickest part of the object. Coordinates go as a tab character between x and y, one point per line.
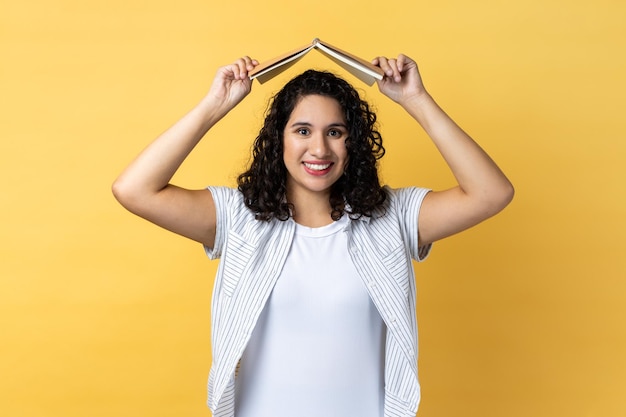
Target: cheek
286	146
344	156
342	151
291	151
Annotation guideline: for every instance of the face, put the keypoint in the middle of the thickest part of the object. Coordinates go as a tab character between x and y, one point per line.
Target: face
314	146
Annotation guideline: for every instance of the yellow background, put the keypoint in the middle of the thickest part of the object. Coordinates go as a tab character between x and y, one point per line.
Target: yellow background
103	314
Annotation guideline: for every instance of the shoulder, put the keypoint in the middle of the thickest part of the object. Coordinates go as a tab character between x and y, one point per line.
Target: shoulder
233	219
234	216
400	198
403	211
229	206
224	194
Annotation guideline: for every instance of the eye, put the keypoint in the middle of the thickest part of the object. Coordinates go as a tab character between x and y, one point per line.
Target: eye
302	131
336	133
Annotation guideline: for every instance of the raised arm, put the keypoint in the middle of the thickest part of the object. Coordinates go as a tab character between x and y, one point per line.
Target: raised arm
482	190
143	187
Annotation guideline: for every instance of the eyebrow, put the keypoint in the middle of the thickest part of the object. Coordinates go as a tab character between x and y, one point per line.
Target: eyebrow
307	124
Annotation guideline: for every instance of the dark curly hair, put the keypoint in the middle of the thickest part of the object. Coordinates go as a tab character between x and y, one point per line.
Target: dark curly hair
264	184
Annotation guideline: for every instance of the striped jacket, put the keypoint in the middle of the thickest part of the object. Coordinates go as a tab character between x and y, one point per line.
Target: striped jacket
252	255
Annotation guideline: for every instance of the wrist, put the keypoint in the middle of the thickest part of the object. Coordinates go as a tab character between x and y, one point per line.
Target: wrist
423	109
417	101
211	109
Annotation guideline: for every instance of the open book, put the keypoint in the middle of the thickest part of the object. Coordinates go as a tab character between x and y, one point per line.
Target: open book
358	67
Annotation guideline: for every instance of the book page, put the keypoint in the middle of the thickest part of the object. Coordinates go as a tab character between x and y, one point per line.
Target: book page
353	65
270	69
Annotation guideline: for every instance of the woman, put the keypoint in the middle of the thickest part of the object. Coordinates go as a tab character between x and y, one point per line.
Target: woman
313	311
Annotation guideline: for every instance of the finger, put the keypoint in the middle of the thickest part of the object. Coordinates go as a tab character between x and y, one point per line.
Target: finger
241	67
250	63
401	61
395	72
404	62
229	71
383	63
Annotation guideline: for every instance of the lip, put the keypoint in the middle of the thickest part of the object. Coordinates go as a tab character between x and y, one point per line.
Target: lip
312	167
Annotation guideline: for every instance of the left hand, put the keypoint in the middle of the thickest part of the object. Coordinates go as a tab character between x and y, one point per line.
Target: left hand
232	83
402	81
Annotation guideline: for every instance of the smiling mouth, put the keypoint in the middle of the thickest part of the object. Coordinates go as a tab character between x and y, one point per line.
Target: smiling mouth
317	167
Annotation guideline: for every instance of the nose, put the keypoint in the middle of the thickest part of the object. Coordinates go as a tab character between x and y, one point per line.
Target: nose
318	146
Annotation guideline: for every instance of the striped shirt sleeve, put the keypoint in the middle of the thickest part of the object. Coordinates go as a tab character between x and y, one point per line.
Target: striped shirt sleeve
221	197
409	202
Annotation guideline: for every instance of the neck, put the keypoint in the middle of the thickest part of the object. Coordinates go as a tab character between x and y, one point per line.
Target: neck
311	210
311	218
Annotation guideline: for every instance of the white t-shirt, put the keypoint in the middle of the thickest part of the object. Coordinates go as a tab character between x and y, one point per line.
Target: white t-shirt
318	347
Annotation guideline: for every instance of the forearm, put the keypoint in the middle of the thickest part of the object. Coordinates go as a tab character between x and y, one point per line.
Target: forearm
476	173
154	167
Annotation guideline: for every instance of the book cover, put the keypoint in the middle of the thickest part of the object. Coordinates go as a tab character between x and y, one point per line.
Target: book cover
358	67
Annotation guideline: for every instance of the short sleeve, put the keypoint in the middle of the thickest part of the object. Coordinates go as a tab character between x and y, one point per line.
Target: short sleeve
222	197
407	203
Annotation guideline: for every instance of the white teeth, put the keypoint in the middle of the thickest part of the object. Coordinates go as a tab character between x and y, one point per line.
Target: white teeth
316	167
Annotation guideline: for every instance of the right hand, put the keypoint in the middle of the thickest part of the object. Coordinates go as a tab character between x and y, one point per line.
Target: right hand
402	81
231	83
